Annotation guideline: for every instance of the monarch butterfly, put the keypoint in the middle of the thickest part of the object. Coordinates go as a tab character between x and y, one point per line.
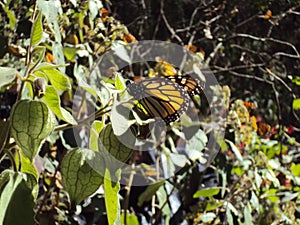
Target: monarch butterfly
192	86
263	128
160	98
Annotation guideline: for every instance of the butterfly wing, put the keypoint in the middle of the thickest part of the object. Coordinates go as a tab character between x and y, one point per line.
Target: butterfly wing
192	86
160	98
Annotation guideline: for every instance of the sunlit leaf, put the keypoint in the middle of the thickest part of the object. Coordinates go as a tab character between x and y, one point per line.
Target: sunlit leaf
208	217
247	215
290	196
149	192
16	199
296	103
95	129
235	151
7	75
79	175
121	51
295	168
53	101
120	83
130	219
58	79
37	30
206	192
112	198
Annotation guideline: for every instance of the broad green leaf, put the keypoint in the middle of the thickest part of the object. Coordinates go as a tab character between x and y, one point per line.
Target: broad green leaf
130	219
118	147
79	175
120	83
58	79
271	195
290	196
53	101
94	6
296	103
37	30
31	122
120	118
196	144
206	192
162	197
120	50
235	151
295	168
26	165
254	201
7	75
16	200
96	127
3	133
229	217
112	203
70	53
149	192
247	215
213	204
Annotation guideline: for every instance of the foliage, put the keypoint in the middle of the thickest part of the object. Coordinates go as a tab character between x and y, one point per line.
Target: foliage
84	167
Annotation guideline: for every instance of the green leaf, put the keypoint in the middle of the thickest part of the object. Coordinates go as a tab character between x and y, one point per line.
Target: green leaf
271	195
16	199
31	122
79	177
206	192
11	16
130	219
290	196
196	144
149	192
3	133
81	80
229	216
120	83
247	215
296	103
7	75
37	30
120	118
120	50
112	204
295	168
70	53
58	79
118	147
96	127
235	151
58	54
26	165
94	6
213	204
208	217
53	101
